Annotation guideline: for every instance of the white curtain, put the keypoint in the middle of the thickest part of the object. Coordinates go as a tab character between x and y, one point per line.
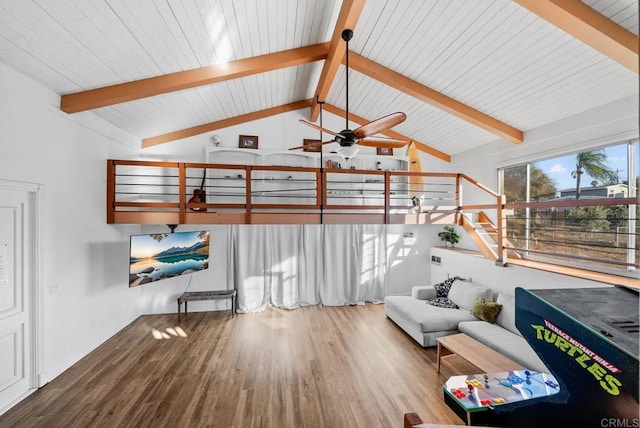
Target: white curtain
289	266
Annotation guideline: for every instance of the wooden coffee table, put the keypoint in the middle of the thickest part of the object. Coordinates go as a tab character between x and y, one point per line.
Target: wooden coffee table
481	356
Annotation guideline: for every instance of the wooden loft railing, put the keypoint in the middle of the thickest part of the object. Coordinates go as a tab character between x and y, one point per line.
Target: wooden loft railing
146	192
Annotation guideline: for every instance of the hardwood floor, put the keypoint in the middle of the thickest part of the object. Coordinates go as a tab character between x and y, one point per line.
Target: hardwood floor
310	367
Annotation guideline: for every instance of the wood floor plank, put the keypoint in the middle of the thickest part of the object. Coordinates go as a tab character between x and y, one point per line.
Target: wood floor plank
310	367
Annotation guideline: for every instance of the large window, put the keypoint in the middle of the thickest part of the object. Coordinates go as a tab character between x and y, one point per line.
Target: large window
577	209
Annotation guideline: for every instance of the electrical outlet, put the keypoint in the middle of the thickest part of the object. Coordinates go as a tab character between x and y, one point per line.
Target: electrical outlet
436	260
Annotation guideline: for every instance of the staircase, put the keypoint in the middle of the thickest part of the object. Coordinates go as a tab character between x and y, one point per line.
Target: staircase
485	235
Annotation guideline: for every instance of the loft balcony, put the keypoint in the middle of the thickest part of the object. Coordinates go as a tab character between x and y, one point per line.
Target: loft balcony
146	192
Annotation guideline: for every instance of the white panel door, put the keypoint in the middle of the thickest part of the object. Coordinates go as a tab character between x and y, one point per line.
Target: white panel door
15	341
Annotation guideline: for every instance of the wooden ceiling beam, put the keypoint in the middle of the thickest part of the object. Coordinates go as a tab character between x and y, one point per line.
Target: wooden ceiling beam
130	91
389	133
435	98
224	123
590	27
348	17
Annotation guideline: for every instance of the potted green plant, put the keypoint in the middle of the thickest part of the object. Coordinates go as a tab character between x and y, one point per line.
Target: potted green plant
449	235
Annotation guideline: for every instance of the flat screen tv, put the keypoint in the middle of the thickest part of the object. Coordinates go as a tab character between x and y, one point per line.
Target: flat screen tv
157	256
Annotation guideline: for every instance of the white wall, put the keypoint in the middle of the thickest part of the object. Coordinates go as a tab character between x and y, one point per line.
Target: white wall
472	265
408	262
87	300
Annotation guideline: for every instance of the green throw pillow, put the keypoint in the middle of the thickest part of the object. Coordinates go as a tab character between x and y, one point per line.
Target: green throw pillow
486	311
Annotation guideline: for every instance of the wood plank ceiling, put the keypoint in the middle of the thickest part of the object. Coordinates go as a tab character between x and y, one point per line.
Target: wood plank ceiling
465	72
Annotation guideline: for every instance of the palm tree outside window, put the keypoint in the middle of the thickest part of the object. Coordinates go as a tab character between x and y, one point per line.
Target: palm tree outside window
594	163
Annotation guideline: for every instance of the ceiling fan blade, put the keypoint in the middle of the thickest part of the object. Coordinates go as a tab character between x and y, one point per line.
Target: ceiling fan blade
384	138
312	145
380	124
314	126
383	144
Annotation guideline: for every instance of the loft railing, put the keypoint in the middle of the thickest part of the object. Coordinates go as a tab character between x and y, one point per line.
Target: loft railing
147	192
497	204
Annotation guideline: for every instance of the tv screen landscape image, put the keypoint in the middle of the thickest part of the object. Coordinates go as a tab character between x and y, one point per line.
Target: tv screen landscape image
157	256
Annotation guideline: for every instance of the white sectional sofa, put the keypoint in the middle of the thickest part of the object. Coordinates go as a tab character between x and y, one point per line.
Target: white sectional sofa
425	322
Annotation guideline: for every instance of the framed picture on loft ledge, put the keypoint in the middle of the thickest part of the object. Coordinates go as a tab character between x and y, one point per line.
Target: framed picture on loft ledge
248	142
308	141
384	151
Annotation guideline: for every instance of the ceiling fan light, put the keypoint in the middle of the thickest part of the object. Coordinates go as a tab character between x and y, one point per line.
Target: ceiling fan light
348	152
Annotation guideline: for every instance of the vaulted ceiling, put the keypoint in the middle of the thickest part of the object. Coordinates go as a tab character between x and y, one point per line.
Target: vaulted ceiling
465	72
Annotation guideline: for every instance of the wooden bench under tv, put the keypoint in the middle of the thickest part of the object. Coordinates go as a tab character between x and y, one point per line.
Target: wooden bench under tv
189	296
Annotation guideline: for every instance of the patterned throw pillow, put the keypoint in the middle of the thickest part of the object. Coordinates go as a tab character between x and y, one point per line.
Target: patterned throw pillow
442	302
442	289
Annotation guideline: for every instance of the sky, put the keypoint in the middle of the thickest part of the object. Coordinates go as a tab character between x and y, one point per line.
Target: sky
559	169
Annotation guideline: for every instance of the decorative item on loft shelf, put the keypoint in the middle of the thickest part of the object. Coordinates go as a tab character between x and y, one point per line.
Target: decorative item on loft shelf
310	146
248	142
416	201
384	151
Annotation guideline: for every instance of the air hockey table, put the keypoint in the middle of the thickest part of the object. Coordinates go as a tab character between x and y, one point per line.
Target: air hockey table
588	339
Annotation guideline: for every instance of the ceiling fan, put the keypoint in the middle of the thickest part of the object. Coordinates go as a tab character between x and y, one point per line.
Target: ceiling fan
364	135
